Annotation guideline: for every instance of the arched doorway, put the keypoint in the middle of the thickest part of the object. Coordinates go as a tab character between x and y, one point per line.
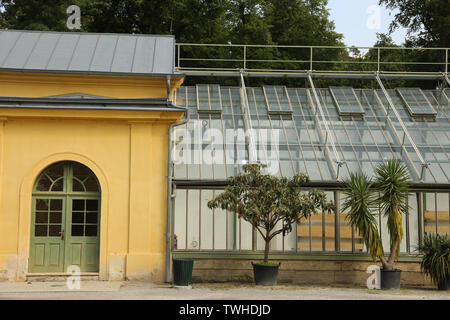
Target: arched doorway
65	220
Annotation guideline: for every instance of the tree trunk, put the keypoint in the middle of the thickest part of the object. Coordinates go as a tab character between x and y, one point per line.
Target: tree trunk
267	239
266	251
393	254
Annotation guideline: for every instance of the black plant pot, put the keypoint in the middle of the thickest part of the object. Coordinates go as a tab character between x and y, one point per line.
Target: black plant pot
265	275
390	279
444	284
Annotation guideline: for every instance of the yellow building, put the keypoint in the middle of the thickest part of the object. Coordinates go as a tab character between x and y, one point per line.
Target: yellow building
83	153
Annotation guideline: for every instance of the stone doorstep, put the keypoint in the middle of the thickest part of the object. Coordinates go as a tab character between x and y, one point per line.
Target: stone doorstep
43	277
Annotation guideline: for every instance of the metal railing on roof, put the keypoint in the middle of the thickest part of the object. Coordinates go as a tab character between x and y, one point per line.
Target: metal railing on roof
244	58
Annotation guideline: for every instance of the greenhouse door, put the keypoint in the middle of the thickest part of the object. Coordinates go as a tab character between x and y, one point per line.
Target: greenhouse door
65	220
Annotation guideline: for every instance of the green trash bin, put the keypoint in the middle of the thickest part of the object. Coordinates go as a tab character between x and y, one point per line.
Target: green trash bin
182	271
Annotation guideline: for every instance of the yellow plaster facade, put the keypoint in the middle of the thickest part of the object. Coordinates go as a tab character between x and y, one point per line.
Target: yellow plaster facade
126	150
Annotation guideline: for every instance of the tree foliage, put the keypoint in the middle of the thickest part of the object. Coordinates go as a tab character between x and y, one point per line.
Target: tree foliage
427	21
270	204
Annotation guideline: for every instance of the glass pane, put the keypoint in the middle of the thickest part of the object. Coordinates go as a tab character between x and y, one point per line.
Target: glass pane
443	213
56	205
80	172
78	205
40	230
207	224
55	217
193	219
413	218
55	172
91	184
42	204
180	218
91	217
41	217
44	184
54	230
429	213
77	185
92	205
77	217
90	231
58	185
77	230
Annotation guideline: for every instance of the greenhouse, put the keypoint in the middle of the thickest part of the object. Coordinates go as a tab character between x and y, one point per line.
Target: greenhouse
326	132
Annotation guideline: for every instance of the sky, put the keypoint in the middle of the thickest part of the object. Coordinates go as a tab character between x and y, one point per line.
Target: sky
360	20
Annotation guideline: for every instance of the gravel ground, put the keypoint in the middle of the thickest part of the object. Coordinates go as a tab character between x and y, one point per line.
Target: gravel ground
98	290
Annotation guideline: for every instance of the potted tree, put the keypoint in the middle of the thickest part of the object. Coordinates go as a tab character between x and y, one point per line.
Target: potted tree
435	251
271	205
388	192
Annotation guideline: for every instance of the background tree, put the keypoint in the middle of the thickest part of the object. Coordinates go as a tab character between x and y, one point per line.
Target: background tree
428	24
427	21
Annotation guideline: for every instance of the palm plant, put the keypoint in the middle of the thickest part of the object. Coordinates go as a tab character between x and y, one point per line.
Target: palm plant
435	251
389	192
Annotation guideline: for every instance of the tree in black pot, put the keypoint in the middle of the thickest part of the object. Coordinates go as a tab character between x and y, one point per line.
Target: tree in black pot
388	192
435	251
271	205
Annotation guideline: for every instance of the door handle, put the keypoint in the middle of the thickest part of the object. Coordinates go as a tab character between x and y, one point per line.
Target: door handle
62	235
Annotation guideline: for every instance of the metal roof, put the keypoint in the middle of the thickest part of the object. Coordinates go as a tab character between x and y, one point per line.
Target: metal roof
72	52
59	102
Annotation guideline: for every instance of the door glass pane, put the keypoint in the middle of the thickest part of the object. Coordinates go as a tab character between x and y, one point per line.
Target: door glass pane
43	184
78	205
40	230
52	178
41	217
42	204
91	184
91	217
55	217
90	231
55	172
58	185
77	217
91	205
77	230
83	179
54	230
55	204
77	185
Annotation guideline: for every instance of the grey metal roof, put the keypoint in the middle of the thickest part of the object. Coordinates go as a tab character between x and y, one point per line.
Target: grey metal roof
151	104
87	52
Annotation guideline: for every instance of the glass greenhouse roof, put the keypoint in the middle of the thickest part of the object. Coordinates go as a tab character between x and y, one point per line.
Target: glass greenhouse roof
346	101
290	134
416	102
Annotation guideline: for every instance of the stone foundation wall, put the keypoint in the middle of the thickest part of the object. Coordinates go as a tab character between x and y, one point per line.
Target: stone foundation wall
304	272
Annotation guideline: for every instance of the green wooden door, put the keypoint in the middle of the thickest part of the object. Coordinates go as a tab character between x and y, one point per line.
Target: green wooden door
65	225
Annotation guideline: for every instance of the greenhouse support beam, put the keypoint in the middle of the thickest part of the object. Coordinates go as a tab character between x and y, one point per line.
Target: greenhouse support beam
402	124
328	135
252	154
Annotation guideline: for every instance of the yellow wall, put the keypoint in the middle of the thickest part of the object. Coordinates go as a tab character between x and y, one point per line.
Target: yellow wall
19	84
127	150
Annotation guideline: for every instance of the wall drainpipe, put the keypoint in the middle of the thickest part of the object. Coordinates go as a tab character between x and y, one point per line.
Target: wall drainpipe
170	196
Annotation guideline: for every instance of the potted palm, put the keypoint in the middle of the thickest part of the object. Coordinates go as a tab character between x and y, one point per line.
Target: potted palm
271	205
388	192
435	251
